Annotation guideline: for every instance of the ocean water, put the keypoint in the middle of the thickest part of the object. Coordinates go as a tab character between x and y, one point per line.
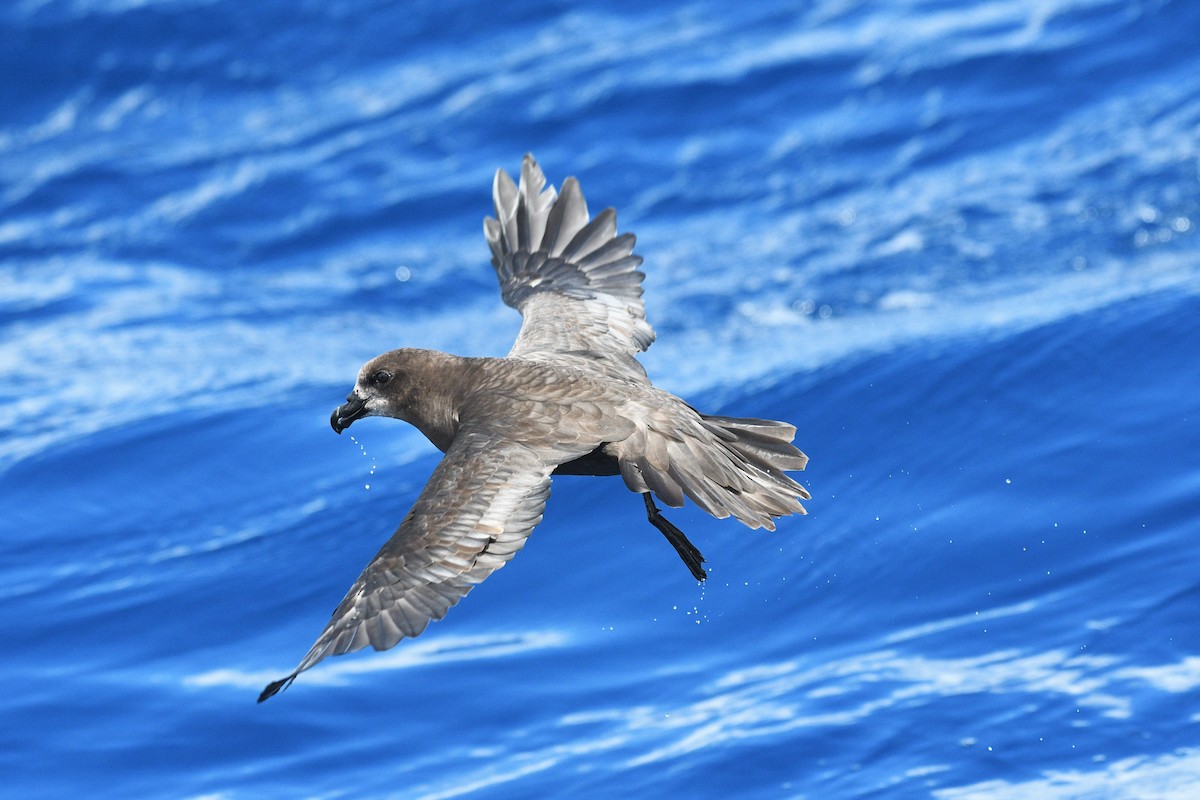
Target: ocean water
955	243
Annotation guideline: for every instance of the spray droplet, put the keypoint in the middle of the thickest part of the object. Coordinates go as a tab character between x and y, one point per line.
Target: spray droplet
364	452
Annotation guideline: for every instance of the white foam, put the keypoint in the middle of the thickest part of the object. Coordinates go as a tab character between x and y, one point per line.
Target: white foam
1174	776
417	653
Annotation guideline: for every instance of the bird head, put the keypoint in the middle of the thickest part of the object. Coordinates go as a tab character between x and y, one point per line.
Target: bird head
383	389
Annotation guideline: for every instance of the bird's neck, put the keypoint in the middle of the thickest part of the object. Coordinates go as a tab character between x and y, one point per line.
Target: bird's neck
435	411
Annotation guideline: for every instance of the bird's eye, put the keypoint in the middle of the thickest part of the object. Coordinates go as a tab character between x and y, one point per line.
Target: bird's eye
380	377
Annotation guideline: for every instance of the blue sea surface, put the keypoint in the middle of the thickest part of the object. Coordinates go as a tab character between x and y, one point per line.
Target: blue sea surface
956	244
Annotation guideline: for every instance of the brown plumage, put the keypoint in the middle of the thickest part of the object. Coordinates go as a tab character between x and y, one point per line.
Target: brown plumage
570	398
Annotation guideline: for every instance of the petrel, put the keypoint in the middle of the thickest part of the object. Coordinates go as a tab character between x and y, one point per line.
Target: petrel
569	399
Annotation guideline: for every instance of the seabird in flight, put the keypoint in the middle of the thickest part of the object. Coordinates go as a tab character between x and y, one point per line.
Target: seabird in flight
569	399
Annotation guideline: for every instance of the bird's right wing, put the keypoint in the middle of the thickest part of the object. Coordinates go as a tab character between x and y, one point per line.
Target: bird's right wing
479	506
574	280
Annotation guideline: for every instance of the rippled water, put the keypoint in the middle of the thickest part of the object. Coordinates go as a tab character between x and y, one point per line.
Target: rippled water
954	243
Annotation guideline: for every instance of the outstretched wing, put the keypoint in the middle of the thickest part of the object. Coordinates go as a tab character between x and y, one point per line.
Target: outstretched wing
575	281
478	508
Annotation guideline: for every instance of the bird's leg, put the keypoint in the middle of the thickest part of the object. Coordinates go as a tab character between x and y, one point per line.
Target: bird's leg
687	551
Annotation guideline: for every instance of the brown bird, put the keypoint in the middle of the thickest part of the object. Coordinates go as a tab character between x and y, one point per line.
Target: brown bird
569	399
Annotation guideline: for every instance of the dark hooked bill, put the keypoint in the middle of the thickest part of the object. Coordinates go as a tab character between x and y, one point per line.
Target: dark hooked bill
354	408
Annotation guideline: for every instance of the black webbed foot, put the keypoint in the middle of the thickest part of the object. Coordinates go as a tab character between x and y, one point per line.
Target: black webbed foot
687	551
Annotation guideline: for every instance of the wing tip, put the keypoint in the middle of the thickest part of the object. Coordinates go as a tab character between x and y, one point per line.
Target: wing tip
275	687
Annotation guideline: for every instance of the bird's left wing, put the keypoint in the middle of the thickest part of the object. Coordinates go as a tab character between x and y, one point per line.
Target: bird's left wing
479	506
574	280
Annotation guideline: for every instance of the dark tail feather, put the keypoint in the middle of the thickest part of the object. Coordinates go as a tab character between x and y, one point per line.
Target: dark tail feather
727	466
765	443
